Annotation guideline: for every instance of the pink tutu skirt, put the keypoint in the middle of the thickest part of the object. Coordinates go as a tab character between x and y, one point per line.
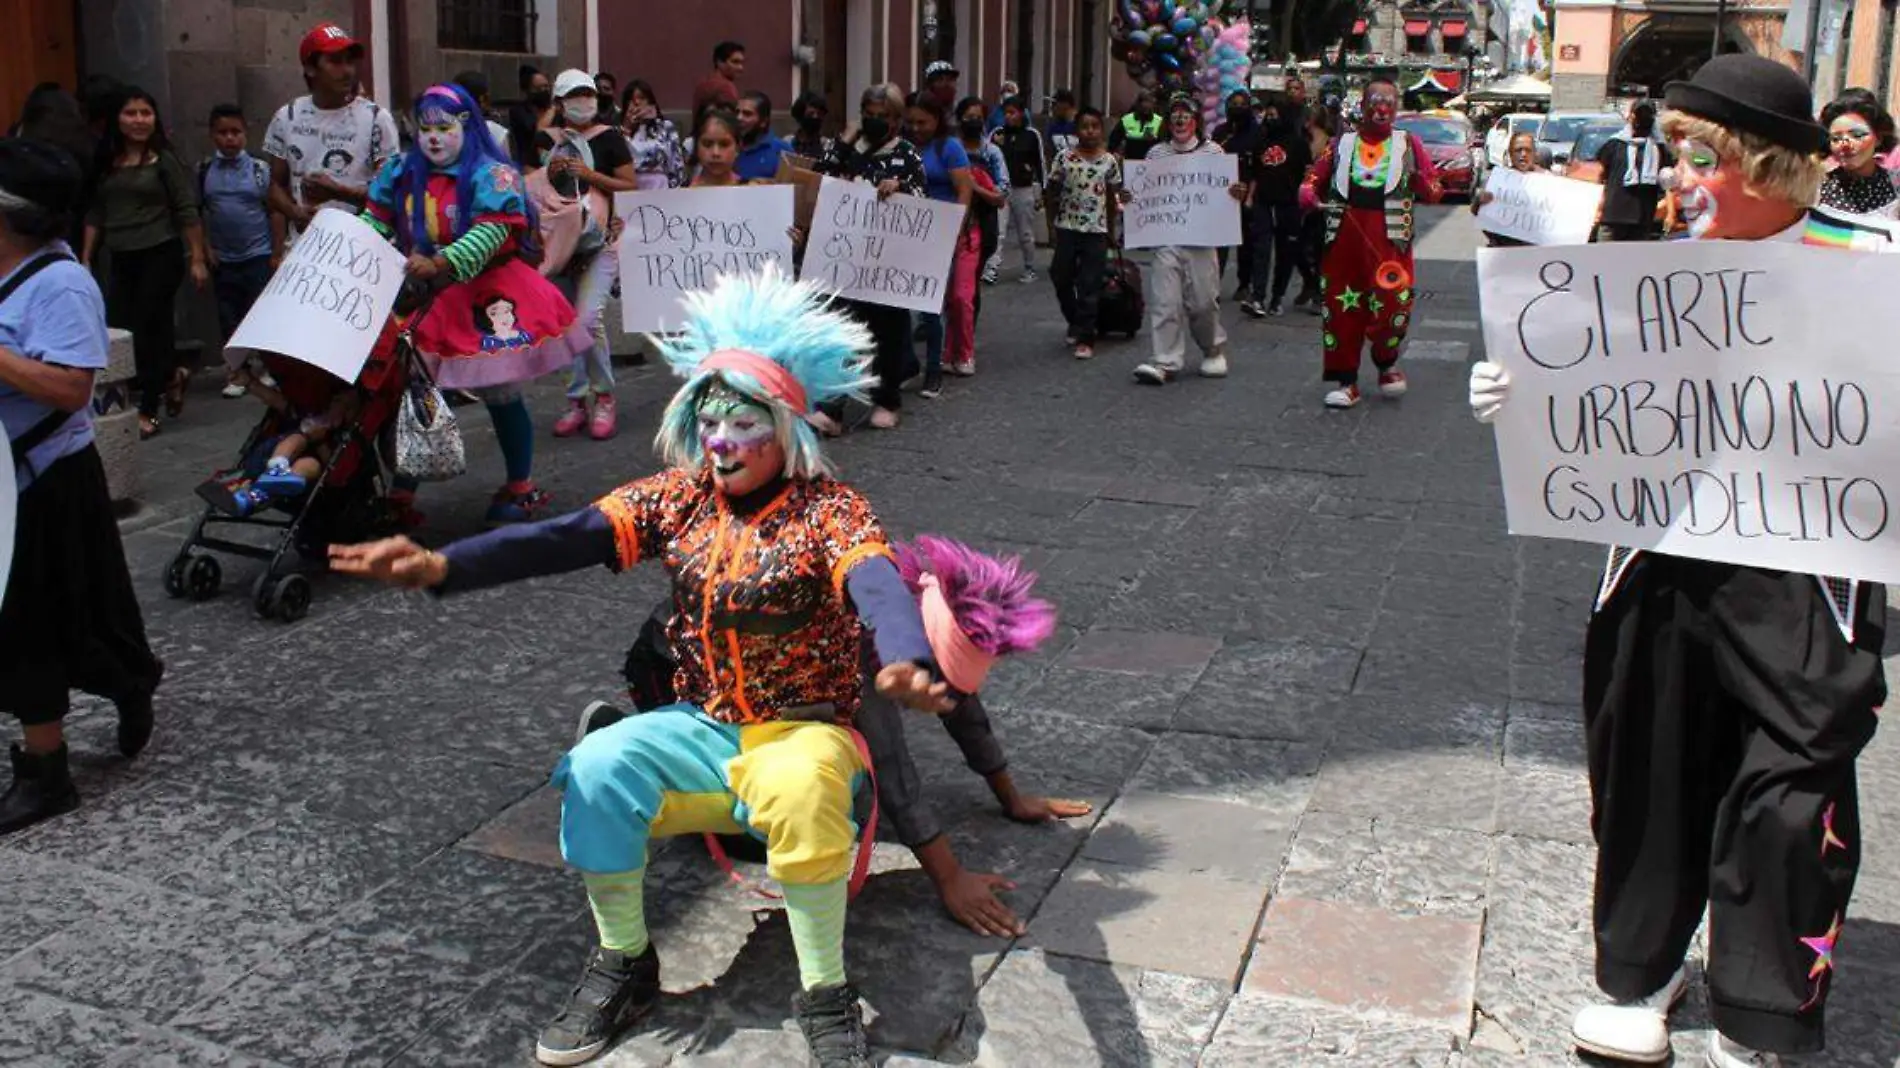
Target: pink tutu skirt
505	325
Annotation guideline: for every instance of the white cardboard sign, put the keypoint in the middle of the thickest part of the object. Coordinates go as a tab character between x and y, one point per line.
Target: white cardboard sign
1539	207
895	251
1698	399
327	303
677	241
1181	200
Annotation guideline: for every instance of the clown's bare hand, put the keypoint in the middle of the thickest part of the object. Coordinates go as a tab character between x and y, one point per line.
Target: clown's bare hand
420	267
909	684
396	561
1490	388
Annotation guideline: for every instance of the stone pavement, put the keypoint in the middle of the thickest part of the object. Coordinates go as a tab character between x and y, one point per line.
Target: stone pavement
1325	706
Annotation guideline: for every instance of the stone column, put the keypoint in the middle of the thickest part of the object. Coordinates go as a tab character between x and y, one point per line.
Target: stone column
115	421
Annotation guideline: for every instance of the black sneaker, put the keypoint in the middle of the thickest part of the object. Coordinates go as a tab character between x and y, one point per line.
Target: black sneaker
1253	309
1276	309
1154	374
135	720
933	385
615	992
598	715
833	1023
42	788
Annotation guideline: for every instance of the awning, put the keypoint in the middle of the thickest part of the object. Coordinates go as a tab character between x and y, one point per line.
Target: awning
1416	27
1359	28
1452	27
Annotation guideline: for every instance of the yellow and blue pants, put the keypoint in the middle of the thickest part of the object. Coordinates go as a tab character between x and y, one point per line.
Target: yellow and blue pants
678	771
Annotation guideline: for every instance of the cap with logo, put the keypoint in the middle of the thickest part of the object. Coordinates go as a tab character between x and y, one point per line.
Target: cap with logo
326	38
940	67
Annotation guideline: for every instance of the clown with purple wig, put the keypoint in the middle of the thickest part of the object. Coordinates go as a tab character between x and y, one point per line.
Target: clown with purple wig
455	203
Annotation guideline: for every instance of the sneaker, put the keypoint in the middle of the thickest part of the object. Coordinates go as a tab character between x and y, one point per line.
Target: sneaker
42	788
1635	1030
235	501
989	276
616	990
135	719
1214	366
1029	276
1343	397
606	420
1252	308
1154	374
933	385
833	1023
883	419
232	391
1084	351
1392	384
281	482
963	368
1276	309
573	419
1726	1054
508	507
598	715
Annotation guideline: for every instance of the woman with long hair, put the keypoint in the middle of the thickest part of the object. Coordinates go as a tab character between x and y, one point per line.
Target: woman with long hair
456	205
946	178
145	214
659	156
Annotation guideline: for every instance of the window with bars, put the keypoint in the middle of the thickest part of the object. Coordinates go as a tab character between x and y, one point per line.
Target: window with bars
486	25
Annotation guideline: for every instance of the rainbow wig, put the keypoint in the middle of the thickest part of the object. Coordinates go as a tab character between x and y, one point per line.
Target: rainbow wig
437	104
989	596
801	352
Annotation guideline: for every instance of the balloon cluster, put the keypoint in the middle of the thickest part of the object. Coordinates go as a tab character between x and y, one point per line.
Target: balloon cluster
1164	42
1226	69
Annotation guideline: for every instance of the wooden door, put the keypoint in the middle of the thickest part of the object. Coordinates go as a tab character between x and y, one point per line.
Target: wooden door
43	47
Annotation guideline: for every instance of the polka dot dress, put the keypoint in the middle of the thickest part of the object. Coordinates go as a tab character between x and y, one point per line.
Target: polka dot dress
1872	194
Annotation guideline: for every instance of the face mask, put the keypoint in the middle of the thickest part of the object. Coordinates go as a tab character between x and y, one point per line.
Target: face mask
541	97
580	112
441	145
877	131
971	128
811	124
1237	115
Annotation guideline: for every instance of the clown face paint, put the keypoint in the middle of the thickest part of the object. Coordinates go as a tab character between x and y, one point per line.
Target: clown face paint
441	139
740	439
1381	103
1852	142
1699	181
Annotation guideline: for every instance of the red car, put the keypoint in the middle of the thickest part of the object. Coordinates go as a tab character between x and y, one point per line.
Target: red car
1456	150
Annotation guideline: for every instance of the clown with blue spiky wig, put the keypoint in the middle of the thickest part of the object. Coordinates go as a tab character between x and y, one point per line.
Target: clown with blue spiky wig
777	571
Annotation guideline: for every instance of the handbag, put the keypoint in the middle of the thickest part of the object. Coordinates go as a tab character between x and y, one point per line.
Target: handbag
428	439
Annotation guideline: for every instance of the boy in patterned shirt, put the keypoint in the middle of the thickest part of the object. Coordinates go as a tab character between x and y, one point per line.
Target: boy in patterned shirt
1084	183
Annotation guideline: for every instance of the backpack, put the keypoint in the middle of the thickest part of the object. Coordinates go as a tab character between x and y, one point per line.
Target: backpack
260	176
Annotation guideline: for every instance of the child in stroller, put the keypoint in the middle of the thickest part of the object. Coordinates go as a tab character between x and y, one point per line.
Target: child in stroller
280	466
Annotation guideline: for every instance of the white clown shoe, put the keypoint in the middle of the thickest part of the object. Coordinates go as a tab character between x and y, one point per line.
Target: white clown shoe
1636	1031
1726	1054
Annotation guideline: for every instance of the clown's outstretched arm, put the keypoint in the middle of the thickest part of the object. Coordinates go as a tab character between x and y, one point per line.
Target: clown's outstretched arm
551	547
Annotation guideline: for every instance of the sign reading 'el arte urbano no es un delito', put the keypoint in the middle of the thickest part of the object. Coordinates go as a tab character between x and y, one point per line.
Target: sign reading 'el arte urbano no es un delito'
1698	398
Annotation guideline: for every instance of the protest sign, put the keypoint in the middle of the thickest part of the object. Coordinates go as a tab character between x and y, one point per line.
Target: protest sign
675	241
1539	207
895	251
327	303
797	172
1181	200
1697	398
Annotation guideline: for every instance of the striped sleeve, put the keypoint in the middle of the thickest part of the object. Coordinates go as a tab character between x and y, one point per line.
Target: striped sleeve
470	253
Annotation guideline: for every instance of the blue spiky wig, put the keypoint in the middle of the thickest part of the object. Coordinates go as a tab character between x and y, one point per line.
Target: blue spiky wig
792	324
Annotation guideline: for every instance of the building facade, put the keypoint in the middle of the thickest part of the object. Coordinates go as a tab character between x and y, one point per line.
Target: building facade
1432	43
1860	50
1604	50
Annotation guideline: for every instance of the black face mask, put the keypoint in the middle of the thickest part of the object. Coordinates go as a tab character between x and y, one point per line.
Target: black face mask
811	124
541	97
971	128
877	131
1238	116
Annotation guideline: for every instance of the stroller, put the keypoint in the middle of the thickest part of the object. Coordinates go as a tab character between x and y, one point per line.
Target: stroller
347	501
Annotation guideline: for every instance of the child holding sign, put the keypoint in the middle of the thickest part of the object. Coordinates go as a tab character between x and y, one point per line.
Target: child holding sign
1724	705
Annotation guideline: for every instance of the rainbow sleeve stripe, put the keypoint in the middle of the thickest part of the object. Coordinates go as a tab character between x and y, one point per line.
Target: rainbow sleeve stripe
1828	235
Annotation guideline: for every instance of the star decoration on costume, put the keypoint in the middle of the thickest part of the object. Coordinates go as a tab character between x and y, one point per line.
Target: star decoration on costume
1405	295
1828	837
1399	320
1823	948
1328	340
1349	299
1375	304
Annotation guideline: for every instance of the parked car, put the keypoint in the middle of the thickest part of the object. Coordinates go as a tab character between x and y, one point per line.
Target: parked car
1581	161
1455	148
1497	140
1559	131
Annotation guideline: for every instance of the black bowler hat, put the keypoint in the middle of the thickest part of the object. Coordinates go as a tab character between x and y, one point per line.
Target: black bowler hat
40	173
1751	94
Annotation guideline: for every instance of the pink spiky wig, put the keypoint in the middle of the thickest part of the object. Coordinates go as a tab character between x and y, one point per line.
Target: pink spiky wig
976	607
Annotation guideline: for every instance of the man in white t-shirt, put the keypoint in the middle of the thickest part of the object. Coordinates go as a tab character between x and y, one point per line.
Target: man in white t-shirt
325	147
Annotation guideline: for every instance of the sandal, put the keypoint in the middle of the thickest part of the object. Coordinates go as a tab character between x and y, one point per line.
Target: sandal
175	393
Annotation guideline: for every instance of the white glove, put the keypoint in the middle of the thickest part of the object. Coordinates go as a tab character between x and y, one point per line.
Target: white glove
1490	388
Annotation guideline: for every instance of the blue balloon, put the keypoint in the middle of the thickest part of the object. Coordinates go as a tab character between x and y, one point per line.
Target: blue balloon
1184	25
1139	38
1166	61
1167	42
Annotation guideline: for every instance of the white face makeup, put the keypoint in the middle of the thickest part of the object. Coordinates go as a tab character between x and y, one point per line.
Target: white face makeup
740	438
1696	167
1851	140
441	141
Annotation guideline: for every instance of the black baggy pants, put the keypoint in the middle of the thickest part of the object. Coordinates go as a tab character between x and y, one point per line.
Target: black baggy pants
1724	709
142	288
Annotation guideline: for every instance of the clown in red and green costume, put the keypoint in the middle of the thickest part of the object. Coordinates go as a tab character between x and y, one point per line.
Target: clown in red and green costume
1367	183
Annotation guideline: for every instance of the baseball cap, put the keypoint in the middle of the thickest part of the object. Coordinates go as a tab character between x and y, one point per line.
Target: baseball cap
574	81
325	38
941	66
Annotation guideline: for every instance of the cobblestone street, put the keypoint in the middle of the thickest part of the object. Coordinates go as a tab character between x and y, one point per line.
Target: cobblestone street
1326	709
